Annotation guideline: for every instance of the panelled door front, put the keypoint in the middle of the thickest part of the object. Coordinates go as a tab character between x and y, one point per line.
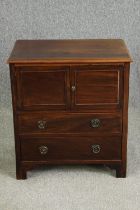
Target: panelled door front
42	87
97	87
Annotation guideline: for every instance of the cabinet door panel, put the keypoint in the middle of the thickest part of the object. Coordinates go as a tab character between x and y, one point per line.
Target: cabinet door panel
42	88
97	87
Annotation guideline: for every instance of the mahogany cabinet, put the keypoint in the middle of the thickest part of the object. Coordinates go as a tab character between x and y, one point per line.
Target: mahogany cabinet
70	103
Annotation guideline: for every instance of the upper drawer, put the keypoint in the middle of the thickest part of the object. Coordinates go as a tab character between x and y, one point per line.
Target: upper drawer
95	124
42	87
97	87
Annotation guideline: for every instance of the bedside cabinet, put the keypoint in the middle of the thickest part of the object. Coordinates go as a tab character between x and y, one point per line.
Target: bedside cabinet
70	103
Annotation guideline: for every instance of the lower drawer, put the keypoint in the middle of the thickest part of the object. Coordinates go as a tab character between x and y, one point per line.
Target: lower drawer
70	148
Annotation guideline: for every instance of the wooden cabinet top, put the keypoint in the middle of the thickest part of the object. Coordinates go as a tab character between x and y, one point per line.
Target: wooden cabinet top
69	51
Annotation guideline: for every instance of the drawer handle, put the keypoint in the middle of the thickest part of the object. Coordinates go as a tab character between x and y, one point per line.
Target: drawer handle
42	124
43	150
95	123
96	148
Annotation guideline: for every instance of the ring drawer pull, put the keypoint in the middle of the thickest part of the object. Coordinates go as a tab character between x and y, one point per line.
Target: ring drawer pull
95	123
96	148
42	124
43	150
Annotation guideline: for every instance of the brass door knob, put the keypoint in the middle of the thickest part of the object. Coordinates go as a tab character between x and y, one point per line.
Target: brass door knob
43	150
73	88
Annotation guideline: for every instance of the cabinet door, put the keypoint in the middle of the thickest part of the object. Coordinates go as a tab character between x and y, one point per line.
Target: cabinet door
42	87
97	87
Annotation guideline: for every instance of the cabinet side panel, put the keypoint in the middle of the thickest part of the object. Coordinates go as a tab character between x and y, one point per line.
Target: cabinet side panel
125	116
14	101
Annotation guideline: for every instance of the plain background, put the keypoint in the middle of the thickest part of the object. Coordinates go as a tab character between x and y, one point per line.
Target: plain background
73	187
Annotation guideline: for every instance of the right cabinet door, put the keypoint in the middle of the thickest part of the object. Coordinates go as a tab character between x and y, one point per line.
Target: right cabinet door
97	87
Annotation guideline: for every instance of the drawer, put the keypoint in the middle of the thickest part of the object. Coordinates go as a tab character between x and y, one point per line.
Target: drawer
70	148
43	122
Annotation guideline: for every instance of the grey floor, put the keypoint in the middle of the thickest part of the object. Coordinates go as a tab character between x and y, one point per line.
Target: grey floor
69	187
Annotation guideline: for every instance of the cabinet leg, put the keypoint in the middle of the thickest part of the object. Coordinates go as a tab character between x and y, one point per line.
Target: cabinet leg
121	171
21	173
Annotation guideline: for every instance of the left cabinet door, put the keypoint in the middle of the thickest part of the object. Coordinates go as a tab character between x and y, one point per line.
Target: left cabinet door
42	87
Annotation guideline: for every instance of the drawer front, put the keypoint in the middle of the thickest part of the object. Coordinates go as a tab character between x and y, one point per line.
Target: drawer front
97	87
42	87
70	148
42	122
